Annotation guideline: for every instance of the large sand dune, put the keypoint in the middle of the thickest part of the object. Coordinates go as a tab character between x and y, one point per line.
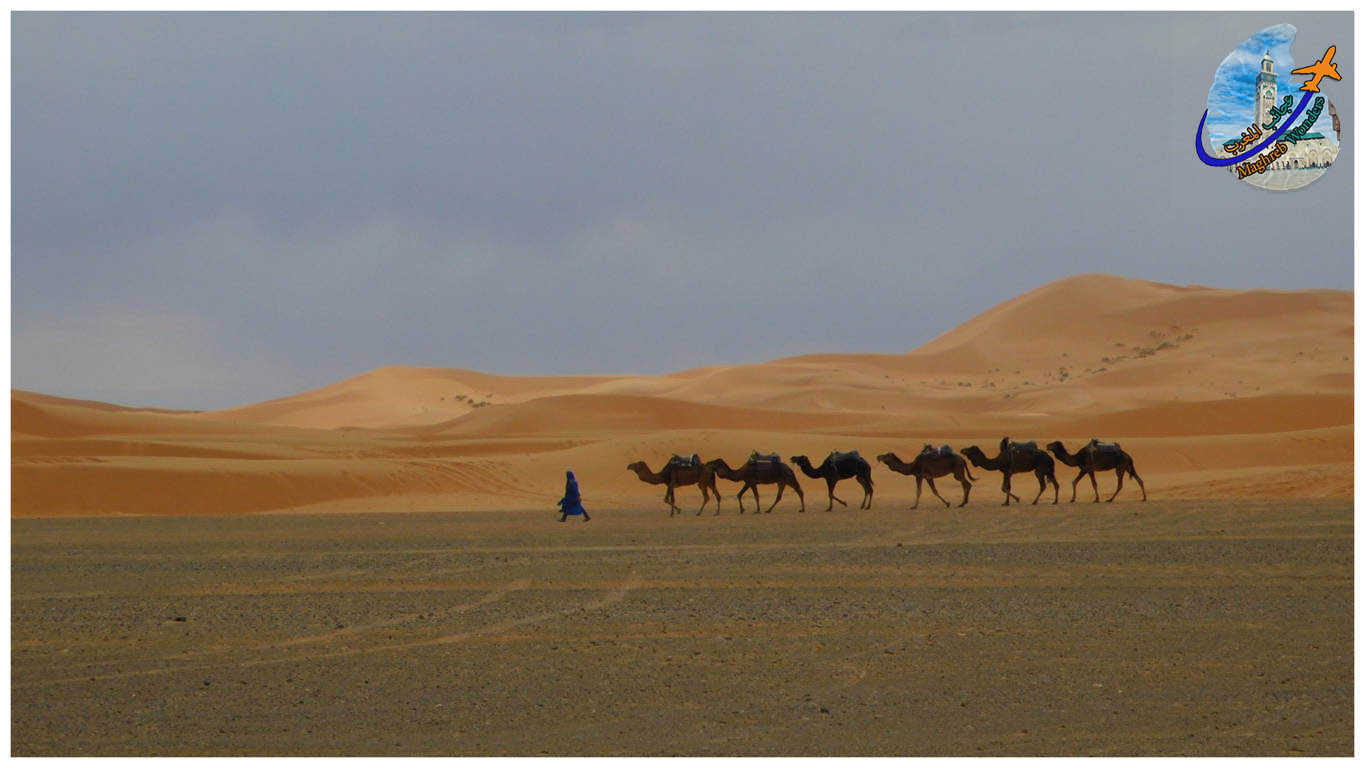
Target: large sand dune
1216	393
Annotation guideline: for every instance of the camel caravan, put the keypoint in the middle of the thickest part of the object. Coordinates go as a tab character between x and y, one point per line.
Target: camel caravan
1012	458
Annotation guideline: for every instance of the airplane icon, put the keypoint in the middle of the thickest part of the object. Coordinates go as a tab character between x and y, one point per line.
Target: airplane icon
1321	68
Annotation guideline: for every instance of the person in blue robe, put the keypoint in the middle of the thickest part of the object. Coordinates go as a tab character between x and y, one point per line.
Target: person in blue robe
572	503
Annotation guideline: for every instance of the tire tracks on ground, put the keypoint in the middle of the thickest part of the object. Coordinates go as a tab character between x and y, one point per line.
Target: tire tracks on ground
606	599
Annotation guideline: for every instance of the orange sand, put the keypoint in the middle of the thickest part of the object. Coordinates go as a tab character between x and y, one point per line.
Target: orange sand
1215	393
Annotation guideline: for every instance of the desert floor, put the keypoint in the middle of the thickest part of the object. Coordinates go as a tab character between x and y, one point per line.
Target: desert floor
1174	627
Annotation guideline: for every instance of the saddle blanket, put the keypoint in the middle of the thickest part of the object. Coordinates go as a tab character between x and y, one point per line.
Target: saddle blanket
685	462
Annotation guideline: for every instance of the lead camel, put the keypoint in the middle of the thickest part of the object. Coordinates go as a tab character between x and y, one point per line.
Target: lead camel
673	476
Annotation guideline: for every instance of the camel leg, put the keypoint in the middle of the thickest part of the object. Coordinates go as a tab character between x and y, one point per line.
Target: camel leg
799	495
705	497
753	488
673	500
1079	475
832	497
1119	472
866	483
1056	492
758	503
966	486
1042	486
740	496
1094	485
1005	486
1134	473
930	480
780	488
919	481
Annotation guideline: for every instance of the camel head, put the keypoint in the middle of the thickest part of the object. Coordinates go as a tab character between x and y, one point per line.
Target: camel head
886	458
972	452
1056	447
637	466
799	460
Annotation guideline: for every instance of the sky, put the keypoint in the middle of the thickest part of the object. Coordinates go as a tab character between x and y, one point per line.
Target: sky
1231	98
210	210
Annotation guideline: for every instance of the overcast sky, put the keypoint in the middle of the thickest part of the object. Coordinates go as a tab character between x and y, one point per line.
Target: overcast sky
210	210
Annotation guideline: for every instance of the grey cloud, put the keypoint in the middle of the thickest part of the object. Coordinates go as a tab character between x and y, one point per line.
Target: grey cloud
547	193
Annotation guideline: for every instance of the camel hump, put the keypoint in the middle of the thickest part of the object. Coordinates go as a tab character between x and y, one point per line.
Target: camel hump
840	456
1031	445
1096	445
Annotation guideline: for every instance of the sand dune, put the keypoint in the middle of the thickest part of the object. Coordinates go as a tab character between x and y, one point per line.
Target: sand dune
1215	392
401	396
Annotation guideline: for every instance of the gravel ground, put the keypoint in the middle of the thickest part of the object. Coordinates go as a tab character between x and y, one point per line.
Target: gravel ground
1165	628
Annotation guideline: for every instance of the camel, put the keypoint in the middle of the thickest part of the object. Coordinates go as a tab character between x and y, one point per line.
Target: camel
759	470
928	465
840	466
1097	457
1018	457
674	475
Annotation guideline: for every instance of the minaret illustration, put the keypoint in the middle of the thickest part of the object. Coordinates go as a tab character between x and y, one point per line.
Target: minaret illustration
1305	160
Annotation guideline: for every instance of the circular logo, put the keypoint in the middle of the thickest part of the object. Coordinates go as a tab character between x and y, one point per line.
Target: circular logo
1263	128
